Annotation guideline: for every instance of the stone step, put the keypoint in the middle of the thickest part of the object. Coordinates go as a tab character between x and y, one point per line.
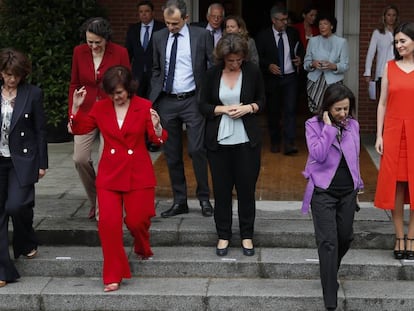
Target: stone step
273	263
205	294
271	230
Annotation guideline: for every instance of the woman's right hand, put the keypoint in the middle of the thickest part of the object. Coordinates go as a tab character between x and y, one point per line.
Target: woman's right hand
379	147
78	97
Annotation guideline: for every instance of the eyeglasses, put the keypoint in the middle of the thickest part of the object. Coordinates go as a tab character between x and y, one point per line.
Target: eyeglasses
283	20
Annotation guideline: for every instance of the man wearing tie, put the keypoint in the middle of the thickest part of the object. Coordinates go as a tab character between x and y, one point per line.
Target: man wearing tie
215	19
139	45
181	55
280	55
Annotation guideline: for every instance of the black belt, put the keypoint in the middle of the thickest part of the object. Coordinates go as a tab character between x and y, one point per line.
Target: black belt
181	96
287	75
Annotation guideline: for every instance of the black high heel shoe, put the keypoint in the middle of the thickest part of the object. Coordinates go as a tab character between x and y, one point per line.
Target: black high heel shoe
400	253
409	251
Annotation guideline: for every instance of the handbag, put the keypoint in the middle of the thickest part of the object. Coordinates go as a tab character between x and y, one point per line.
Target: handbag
315	91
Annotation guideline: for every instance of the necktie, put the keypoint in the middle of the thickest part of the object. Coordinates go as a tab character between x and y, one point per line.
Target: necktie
171	67
281	53
146	38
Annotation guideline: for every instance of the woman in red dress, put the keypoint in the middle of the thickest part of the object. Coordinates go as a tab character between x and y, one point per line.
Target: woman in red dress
395	139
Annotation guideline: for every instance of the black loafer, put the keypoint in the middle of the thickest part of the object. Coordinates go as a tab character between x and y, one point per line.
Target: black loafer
248	251
206	208
175	209
222	251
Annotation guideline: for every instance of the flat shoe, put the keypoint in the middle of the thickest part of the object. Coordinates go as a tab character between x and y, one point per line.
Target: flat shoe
32	254
248	251
222	251
2	283
111	287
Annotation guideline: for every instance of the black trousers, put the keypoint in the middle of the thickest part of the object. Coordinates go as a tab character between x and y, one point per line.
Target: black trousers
333	218
234	166
174	113
16	202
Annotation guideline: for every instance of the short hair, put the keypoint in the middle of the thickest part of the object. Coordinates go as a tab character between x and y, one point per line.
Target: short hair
118	75
333	94
98	26
215	6
308	8
277	9
408	30
330	18
171	5
230	43
147	3
16	62
241	23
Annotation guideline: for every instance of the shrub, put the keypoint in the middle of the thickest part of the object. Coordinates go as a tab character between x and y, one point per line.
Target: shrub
47	31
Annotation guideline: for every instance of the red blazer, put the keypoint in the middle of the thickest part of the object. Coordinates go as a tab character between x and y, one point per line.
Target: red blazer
83	72
125	163
301	28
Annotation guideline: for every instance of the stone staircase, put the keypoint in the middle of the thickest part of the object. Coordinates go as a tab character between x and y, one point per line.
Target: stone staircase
185	273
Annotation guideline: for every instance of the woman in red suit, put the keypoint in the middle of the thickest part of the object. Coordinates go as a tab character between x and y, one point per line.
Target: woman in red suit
89	63
126	178
307	29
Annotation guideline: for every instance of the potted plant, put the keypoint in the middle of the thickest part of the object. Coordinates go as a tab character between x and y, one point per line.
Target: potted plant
47	31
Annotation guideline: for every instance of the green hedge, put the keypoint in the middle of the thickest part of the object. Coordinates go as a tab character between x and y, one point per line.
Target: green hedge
47	32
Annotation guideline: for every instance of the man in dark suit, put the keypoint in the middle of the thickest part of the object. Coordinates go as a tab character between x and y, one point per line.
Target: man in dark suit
139	48
176	78
215	21
139	45
280	55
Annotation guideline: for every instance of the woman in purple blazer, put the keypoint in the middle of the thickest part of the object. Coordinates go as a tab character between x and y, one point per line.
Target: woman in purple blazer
334	180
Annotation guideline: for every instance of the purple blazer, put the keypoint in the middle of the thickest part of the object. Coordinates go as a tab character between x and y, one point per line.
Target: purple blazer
325	153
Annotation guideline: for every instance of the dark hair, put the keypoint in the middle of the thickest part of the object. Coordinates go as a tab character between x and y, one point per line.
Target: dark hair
147	3
230	43
118	75
309	8
278	9
98	26
15	62
408	30
333	94
171	5
382	25
330	18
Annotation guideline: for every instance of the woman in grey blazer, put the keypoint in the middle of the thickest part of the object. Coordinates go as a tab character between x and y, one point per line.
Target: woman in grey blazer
326	60
23	158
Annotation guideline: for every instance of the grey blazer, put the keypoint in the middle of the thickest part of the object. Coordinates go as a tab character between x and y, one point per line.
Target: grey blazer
201	44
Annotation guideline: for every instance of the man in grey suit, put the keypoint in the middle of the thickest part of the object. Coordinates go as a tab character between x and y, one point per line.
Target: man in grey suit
181	54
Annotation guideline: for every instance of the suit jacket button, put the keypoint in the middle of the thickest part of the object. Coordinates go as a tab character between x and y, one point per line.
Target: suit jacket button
130	151
112	151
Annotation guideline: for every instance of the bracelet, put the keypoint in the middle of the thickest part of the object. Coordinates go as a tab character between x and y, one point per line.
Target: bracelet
251	105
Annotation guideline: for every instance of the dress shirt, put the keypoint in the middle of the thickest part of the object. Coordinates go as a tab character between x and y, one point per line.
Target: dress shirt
288	68
383	45
183	77
217	33
143	29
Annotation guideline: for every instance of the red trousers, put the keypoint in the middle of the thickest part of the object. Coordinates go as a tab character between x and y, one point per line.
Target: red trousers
139	209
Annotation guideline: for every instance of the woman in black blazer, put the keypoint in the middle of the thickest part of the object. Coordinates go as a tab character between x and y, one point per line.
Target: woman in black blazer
230	97
23	158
